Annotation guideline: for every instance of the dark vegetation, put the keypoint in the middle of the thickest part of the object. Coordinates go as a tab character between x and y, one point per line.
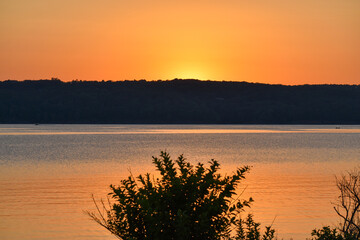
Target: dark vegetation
347	207
183	202
195	202
176	101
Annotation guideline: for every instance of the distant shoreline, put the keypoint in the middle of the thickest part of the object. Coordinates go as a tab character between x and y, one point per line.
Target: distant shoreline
169	80
176	102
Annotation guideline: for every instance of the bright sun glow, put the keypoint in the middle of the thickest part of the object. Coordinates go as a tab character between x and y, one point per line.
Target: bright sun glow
191	72
192	75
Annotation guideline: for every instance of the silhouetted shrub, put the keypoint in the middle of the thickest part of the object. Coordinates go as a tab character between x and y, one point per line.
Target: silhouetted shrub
248	229
327	233
348	209
185	202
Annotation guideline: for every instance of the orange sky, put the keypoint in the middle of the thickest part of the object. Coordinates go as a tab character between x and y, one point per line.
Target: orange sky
277	41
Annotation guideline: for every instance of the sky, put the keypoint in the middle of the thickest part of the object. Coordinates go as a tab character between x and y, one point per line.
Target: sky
279	41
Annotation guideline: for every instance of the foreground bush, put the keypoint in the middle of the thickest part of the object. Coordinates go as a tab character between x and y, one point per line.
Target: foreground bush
185	202
327	233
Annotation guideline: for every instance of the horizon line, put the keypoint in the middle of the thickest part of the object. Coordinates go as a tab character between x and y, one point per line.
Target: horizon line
178	79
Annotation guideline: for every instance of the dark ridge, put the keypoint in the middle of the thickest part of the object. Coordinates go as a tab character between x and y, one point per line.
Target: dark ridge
176	101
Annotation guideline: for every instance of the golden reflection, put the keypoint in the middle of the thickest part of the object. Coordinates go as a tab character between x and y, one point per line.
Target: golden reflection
179	131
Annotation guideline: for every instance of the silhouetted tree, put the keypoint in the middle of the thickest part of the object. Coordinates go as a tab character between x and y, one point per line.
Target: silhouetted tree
348	205
348	209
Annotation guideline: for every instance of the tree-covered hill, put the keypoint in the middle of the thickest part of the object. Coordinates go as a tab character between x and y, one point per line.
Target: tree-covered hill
176	101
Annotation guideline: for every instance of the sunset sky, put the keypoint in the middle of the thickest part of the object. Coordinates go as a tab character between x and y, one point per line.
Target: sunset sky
277	41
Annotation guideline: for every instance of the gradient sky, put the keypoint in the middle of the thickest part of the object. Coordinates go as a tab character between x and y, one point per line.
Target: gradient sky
277	41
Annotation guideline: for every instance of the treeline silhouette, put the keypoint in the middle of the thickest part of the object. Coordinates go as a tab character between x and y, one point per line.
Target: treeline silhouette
176	101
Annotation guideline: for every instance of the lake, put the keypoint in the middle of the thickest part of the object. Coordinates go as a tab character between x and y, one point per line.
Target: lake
48	173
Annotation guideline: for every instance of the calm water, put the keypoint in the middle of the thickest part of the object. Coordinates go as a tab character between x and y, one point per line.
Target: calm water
48	172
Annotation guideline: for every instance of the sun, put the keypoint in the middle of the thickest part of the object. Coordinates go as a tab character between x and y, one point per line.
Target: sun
191	75
191	72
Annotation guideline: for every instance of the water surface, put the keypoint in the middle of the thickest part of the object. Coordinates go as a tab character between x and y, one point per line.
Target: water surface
48	172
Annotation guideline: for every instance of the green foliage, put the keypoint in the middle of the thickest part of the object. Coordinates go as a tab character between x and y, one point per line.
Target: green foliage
185	202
